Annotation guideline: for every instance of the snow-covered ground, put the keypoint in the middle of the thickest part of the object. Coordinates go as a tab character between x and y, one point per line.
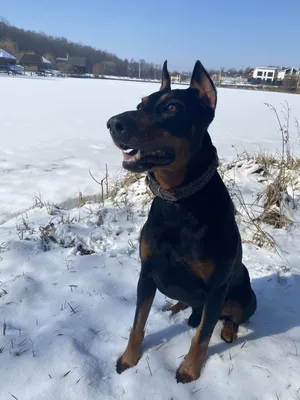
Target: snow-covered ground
68	274
54	130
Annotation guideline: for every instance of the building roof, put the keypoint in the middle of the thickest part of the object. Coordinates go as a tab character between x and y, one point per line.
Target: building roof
5	54
287	68
46	61
270	68
33	59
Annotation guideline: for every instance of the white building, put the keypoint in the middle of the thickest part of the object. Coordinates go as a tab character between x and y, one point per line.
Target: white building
265	73
176	78
287	72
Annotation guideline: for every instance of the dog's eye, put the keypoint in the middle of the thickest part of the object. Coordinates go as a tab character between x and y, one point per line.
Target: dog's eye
171	108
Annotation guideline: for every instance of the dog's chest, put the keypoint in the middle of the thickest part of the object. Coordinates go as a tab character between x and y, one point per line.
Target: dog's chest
177	232
178	241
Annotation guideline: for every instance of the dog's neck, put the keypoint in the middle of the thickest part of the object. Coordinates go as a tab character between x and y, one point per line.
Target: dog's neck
175	185
195	168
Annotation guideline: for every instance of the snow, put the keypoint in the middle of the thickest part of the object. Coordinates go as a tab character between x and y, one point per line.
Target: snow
46	61
69	264
5	54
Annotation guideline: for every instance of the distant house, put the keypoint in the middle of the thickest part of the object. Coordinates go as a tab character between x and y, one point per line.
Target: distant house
73	64
288	73
34	63
265	73
176	78
215	78
7	60
107	68
78	65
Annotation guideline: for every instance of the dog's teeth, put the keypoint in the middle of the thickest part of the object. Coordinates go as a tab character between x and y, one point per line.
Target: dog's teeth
138	155
128	151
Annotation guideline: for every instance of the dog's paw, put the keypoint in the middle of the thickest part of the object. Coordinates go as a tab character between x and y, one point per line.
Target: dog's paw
123	364
186	375
229	332
175	308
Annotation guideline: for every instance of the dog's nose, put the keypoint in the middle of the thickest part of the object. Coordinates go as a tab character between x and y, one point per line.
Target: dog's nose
115	125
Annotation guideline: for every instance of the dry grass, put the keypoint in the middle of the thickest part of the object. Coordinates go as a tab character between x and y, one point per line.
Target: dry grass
285	167
279	173
260	236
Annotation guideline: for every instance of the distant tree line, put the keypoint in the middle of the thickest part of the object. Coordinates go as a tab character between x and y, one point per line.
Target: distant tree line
18	41
231	72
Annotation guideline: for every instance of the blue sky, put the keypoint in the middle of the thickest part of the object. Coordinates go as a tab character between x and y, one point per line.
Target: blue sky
219	33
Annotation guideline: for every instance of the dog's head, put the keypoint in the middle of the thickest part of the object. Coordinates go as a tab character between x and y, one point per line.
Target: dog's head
168	127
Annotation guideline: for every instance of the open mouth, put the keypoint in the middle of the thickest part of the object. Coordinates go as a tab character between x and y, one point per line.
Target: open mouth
130	154
142	158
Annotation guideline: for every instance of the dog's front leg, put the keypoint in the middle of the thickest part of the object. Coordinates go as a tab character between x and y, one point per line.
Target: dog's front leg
145	295
191	367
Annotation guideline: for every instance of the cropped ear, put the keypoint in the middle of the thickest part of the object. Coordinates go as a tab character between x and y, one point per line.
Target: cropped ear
203	83
165	78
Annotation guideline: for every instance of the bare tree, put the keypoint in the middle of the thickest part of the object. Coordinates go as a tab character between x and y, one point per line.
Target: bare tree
290	83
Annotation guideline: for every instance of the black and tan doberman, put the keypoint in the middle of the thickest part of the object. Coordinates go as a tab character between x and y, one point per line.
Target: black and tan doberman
190	245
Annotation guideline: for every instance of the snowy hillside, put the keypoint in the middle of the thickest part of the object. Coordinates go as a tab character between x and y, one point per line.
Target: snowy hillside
69	259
